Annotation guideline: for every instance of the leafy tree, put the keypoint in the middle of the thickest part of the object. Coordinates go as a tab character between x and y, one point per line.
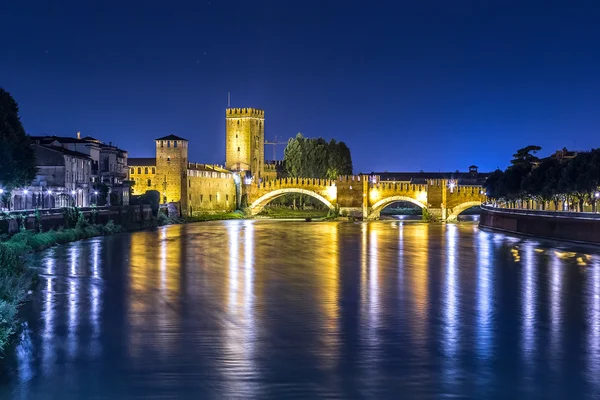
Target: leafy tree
315	158
17	158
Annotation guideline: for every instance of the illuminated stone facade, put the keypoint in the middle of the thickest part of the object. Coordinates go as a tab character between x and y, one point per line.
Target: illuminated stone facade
245	141
195	187
364	196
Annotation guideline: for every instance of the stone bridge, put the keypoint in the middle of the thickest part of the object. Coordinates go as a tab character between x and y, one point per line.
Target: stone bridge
365	196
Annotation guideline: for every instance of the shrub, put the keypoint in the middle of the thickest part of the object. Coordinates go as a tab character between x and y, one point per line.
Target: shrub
71	216
111	228
162	219
82	223
427	216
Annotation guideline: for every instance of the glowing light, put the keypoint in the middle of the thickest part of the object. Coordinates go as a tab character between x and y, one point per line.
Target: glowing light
79	190
25	191
1	191
95	192
332	191
49	191
72	192
374	194
247	181
597	194
422	197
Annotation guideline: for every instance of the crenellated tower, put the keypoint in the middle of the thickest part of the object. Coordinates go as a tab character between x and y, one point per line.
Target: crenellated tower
245	140
171	169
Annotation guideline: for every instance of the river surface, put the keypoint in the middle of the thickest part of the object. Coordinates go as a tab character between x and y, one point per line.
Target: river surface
282	310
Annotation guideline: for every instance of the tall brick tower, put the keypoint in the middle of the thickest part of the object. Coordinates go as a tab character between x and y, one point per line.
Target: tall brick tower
171	169
245	140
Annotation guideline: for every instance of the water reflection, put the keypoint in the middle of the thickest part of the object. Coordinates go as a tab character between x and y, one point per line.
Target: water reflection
253	309
593	322
528	296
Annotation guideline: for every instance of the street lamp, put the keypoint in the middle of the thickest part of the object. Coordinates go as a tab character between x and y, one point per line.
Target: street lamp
96	197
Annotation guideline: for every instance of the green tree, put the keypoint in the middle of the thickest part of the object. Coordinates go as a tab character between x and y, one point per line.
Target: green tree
17	158
316	158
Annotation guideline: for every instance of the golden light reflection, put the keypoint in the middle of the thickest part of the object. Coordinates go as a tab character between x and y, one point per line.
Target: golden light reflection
420	276
240	328
151	267
327	254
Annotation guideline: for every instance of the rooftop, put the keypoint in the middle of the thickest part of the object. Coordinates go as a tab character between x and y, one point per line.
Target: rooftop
171	137
141	162
207	167
422	177
66	151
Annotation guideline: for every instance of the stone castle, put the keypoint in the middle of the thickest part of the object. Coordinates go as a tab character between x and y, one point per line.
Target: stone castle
203	187
199	188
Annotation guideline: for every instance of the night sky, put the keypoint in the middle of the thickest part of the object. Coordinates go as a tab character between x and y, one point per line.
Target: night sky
408	85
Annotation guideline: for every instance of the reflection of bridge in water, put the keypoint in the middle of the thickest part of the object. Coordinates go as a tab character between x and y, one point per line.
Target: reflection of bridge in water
366	195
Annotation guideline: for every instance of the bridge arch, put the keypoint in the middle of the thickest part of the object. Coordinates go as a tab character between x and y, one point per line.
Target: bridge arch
383	203
258	204
460	208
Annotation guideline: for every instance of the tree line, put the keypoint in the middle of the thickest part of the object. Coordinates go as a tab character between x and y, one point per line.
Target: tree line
316	158
17	158
566	184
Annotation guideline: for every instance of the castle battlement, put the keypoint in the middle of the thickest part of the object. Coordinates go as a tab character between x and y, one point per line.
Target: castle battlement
244	113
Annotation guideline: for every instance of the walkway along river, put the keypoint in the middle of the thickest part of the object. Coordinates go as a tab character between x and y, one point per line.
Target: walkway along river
263	309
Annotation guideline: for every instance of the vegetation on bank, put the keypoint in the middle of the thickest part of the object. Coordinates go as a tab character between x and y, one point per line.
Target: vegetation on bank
17	158
574	181
288	212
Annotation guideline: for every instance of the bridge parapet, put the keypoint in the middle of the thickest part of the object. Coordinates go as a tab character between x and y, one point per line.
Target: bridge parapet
366	195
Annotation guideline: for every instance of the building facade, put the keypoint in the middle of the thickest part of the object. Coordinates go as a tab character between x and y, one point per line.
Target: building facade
195	187
109	165
63	180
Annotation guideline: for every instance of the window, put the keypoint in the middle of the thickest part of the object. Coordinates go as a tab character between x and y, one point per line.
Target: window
132	170
149	182
168	159
146	170
175	144
226	197
168	143
139	170
153	170
238	149
236	135
210	197
189	183
201	198
162	143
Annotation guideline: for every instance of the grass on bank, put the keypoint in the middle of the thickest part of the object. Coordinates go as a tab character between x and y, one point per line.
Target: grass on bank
285	212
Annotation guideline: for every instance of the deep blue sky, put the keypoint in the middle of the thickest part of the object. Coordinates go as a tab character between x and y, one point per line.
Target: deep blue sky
408	85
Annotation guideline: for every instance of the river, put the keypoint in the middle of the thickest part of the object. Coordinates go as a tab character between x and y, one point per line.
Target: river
282	310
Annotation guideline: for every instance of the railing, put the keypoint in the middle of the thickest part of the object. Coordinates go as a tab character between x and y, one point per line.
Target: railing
50	211
543	213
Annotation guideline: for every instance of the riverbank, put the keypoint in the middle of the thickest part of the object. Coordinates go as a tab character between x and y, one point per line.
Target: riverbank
16	278
285	213
576	227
